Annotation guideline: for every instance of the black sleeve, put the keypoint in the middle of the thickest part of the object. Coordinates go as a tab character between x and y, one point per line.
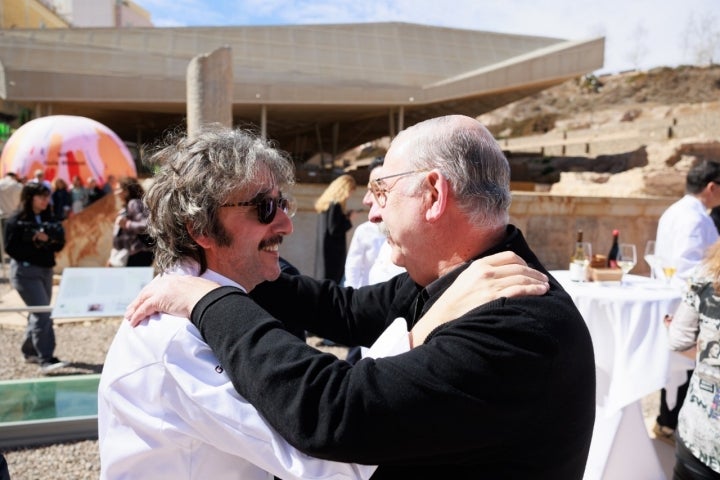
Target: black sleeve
14	240
344	315
390	410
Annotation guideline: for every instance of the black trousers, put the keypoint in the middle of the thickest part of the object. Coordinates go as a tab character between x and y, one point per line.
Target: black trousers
4	473
687	467
669	417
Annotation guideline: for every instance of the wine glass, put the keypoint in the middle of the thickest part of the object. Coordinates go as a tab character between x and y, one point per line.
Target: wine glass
580	261
627	257
651	258
668	268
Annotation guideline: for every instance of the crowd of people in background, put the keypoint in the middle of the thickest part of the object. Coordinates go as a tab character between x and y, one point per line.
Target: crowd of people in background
65	199
32	212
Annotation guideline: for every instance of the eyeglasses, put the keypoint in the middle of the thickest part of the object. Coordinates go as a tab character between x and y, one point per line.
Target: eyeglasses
379	190
267	207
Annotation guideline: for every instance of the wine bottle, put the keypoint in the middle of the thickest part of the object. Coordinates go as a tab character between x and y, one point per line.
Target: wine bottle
613	254
578	260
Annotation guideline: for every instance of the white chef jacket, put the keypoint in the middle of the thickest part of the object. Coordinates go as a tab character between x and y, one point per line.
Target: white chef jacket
685	231
362	252
166	410
383	268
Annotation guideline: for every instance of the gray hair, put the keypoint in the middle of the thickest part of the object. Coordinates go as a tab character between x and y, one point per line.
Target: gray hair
194	176
472	161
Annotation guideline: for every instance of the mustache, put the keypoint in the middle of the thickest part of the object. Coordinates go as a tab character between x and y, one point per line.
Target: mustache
278	239
383	229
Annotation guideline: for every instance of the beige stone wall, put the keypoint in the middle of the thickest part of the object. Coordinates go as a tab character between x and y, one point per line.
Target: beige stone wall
548	221
699	121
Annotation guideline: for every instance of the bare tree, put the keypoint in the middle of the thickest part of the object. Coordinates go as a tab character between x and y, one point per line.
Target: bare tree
702	38
637	48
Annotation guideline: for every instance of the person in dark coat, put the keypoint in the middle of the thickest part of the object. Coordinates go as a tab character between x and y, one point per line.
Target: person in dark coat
332	227
95	193
32	238
505	389
60	199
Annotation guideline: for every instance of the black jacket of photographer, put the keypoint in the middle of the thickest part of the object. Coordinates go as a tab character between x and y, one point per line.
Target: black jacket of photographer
19	232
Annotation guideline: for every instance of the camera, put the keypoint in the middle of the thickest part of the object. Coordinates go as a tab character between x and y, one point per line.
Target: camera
54	231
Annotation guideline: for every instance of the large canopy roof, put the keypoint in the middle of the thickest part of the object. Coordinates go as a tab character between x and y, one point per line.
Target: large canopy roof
321	87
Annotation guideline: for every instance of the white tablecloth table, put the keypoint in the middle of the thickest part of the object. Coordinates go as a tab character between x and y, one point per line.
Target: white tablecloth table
632	359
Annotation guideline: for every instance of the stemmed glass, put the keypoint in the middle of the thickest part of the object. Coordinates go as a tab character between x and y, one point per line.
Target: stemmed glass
668	269
651	258
627	257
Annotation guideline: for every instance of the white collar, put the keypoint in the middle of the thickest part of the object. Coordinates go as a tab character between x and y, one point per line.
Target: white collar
192	268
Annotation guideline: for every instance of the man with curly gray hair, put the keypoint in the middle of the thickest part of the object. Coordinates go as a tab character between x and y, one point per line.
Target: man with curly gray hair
166	408
477	397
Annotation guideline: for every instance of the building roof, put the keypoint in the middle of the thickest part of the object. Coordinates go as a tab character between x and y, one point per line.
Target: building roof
324	87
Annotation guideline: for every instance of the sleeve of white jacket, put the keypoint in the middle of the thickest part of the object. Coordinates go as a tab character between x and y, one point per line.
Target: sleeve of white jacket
223	418
356	266
683	330
393	341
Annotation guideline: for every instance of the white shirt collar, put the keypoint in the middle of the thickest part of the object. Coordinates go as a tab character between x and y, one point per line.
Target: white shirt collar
192	268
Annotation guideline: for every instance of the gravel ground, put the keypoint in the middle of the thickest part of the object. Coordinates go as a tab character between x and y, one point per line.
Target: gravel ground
84	345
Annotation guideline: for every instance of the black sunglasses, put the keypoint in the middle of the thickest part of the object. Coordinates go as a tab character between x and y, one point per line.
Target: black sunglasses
267	207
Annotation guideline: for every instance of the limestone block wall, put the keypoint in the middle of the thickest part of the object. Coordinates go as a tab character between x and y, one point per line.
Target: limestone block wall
657	125
548	221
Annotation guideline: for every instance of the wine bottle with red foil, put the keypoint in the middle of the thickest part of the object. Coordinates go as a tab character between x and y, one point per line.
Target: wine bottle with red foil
613	254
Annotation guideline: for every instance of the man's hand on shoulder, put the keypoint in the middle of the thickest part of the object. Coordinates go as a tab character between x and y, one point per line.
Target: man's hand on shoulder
168	293
503	274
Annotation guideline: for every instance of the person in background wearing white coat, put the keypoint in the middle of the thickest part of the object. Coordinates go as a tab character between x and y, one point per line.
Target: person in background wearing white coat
685	232
367	240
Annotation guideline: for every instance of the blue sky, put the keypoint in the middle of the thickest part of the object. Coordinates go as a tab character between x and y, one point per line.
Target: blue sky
638	33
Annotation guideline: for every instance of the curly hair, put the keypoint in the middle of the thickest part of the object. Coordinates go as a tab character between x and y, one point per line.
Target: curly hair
338	191
711	265
132	186
194	176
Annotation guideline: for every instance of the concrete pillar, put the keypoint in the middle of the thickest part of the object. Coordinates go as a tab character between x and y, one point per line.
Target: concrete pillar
209	90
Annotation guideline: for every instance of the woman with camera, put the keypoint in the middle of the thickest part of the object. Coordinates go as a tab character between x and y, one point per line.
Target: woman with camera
32	237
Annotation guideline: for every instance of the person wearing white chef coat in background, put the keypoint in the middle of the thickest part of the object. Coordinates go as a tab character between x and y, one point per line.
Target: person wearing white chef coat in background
684	234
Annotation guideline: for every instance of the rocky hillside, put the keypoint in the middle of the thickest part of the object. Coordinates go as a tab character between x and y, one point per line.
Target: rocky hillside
607	108
588	101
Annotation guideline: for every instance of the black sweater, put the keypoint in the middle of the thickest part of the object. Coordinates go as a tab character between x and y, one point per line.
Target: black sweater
19	231
505	391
